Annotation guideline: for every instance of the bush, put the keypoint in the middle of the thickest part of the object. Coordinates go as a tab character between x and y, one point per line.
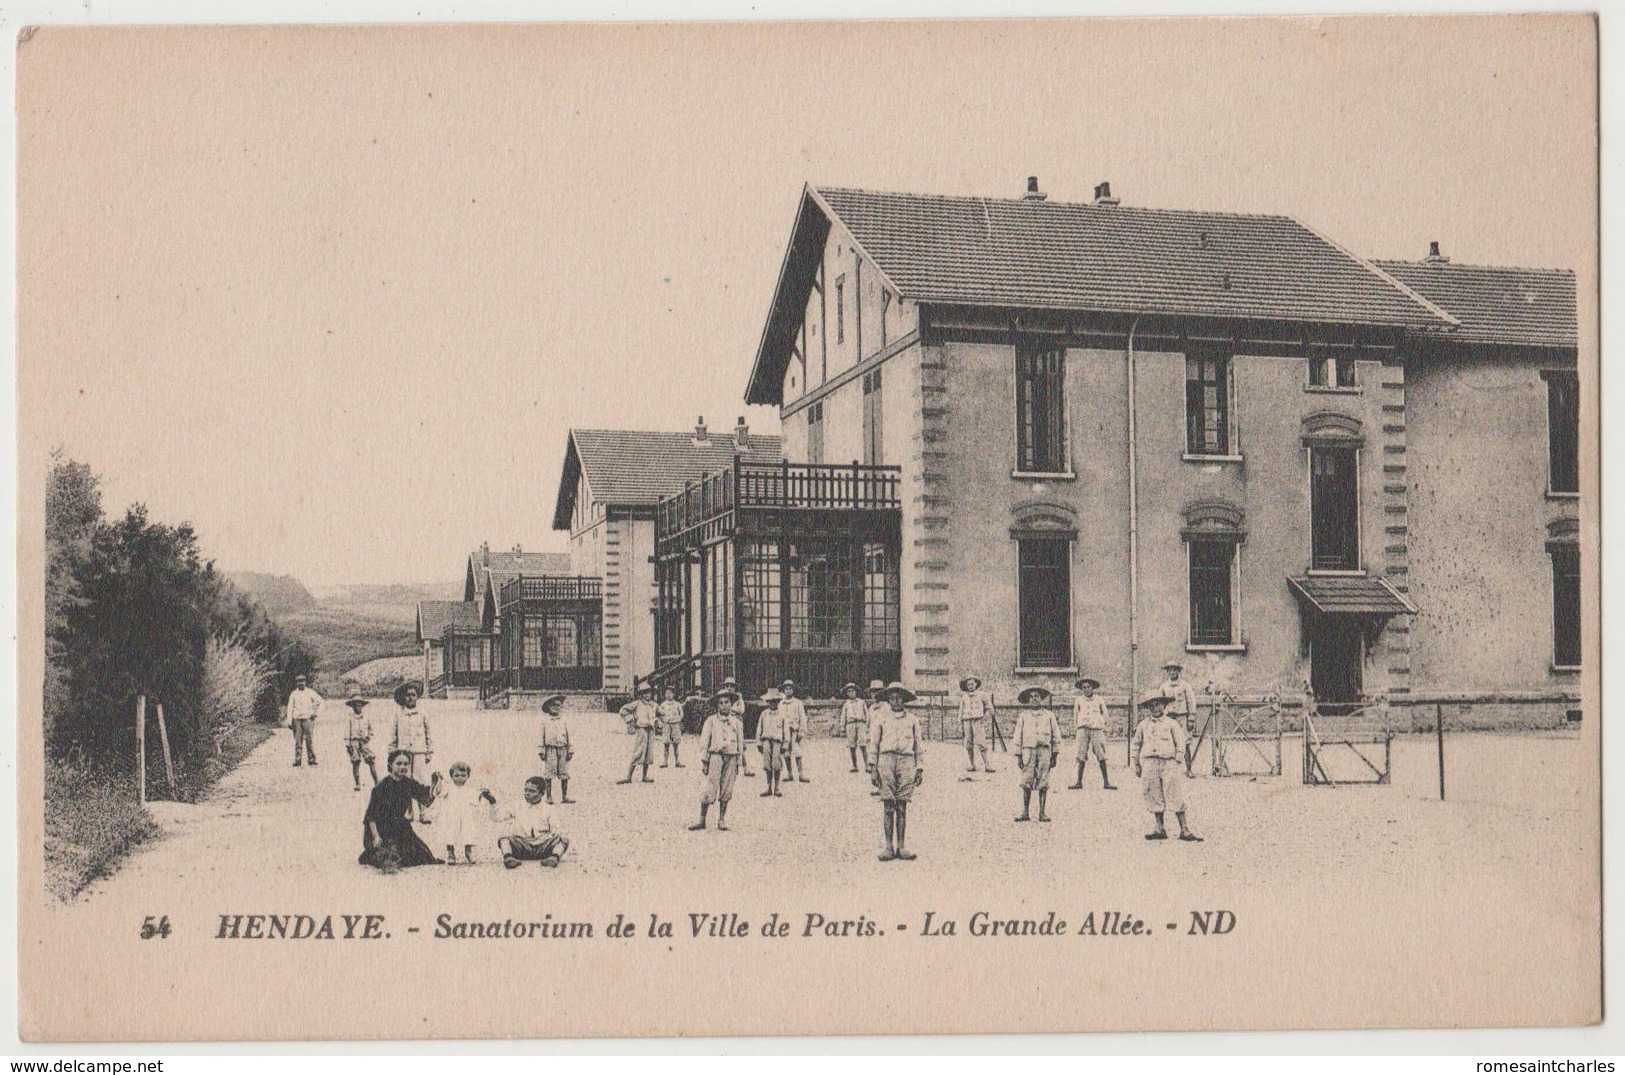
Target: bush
234	680
91	820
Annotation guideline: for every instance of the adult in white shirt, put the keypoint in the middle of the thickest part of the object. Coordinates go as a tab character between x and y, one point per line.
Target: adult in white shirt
303	705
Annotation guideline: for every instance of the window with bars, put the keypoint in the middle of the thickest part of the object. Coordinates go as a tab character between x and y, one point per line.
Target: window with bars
1212	592
815	433
1563	430
1332	371
759	597
717	598
1334	507
880	600
1207	400
561	642
1565	606
873	420
1045	597
1041	410
535	644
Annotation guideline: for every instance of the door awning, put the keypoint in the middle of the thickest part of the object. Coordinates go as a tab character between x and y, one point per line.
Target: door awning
1350	595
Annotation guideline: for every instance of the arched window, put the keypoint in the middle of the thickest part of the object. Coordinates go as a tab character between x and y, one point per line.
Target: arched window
1044	533
1213	535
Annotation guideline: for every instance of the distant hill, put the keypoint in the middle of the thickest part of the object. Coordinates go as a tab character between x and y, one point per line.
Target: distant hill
397	602
275	593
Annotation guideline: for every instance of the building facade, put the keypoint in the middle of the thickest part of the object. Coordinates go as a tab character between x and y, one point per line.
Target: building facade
1126	436
611	482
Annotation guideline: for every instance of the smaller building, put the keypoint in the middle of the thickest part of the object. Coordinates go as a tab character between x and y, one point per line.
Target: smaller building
456	648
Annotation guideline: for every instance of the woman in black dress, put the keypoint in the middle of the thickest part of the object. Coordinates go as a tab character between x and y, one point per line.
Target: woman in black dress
387	839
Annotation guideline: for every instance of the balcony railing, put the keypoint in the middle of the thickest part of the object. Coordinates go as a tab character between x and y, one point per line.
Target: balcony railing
550	588
786	485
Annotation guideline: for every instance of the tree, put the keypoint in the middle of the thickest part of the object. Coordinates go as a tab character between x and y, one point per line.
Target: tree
73	511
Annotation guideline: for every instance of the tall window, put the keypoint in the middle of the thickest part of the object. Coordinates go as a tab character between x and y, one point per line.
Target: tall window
815	433
759	596
821	585
1041	410
1045	595
1563	429
1334	507
880	599
535	643
840	308
561	642
1212	586
1207	400
1565	606
873	440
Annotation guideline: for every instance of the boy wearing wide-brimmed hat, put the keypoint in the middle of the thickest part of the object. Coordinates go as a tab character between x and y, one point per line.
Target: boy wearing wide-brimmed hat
855	724
556	751
358	741
771	729
975	714
641	717
795	728
1157	751
670	712
737	708
894	751
410	735
877	706
1038	739
1089	724
722	744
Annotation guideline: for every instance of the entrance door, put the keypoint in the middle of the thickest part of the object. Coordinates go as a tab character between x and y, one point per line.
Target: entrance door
1335	658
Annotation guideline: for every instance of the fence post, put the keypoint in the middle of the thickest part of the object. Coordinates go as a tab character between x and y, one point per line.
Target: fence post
141	749
1438	727
163	739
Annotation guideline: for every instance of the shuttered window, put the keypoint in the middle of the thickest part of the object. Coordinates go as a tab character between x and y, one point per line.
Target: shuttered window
1041	410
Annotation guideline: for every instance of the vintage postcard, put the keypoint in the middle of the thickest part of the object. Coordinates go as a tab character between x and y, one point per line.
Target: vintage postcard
808	528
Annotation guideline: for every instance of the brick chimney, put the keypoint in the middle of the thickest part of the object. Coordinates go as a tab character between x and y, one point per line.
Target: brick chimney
1033	193
517	551
700	435
1434	257
741	435
1103	194
485	554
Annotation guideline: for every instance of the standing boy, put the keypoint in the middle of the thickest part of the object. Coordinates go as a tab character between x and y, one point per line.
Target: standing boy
975	713
795	729
877	706
556	751
1038	739
855	723
1089	724
770	733
670	712
736	707
894	747
303	705
358	741
411	736
1158	751
1181	705
641	718
722	744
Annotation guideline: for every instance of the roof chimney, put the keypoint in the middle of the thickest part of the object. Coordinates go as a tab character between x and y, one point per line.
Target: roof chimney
1033	193
741	435
485	554
1103	194
1434	257
700	436
517	551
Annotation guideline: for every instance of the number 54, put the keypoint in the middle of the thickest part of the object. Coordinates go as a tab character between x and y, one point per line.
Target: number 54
154	927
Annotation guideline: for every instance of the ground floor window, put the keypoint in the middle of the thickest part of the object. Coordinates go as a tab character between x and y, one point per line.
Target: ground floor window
759	595
1212	593
1045	596
880	599
1566	606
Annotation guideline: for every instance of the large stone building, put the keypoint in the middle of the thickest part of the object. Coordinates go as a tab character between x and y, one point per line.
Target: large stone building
1126	435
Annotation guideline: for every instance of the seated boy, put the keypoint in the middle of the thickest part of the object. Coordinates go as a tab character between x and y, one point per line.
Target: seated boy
533	837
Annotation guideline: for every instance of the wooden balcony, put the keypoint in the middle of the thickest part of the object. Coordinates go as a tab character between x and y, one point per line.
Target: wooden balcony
550	589
719	503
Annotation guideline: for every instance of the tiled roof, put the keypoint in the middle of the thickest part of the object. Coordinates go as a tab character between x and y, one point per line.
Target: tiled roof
510	564
435	616
1520	307
1067	256
1351	595
637	467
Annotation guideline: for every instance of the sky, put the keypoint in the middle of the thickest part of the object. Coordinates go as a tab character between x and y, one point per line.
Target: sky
335	295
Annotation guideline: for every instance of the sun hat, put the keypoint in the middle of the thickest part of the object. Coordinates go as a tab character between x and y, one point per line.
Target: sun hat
1033	696
550	699
356	704
773	694
1088	681
970	679
894	685
400	691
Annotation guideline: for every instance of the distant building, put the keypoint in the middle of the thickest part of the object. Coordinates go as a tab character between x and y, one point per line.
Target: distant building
610	484
1094	437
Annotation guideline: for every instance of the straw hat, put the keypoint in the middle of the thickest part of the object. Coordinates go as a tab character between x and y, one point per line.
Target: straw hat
773	694
908	695
876	687
1033	696
724	691
552	698
851	687
645	687
400	691
1173	666
357	704
1087	681
1154	700
963	684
